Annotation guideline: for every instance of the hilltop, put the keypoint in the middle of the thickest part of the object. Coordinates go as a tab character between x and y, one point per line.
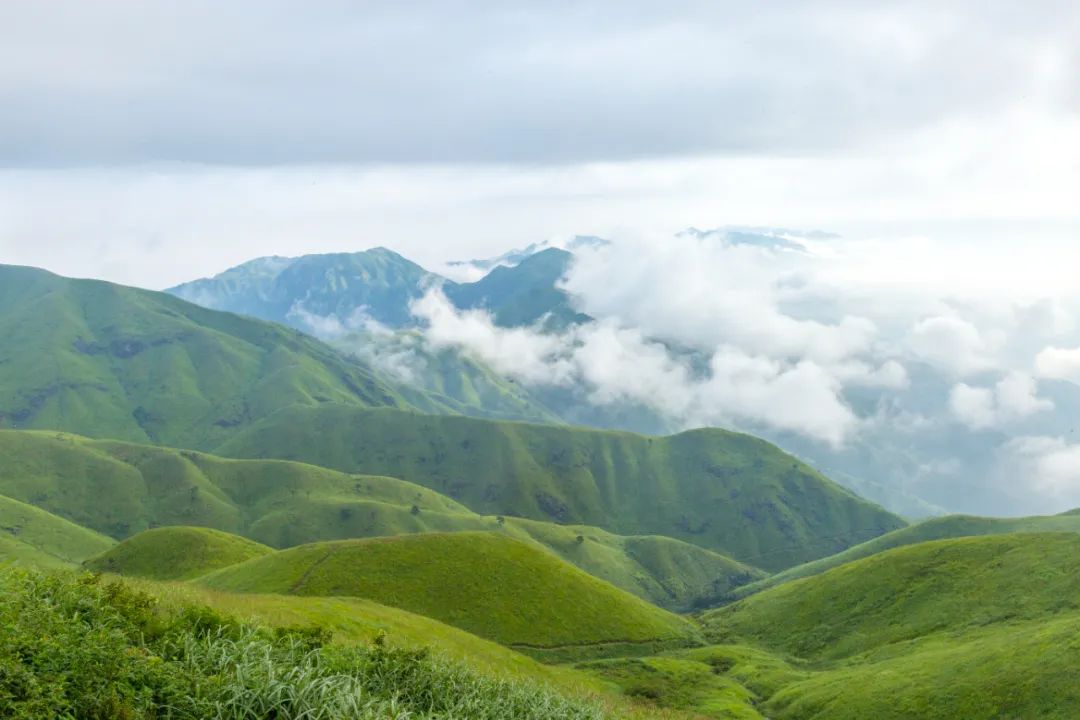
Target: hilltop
912	592
484	583
176	553
951	526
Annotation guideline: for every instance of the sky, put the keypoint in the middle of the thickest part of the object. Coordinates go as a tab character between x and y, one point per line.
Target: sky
155	143
151	143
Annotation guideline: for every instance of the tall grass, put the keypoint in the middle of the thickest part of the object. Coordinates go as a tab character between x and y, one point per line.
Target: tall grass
76	647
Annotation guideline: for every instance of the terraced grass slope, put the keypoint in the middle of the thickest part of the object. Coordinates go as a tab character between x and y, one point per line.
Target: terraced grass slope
951	526
36	537
484	583
121	489
176	553
912	592
724	491
112	361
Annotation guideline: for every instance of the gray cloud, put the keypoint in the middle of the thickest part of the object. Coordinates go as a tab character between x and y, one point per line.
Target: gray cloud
122	81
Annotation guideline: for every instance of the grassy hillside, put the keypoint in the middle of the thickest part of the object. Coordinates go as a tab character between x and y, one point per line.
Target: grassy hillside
725	491
121	489
358	621
980	628
911	592
484	583
176	553
34	536
112	361
73	646
951	526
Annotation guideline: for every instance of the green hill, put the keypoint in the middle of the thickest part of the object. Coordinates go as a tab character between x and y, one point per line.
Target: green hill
121	489
980	628
911	592
176	553
112	361
724	491
950	526
484	583
31	535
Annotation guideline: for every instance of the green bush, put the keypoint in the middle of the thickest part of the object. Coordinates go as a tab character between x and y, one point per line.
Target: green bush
77	647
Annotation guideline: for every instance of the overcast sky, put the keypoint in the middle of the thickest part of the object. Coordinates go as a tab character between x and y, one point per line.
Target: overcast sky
153	142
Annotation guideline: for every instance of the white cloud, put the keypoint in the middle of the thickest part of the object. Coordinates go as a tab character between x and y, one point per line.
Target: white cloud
1059	364
950	343
1050	465
617	364
1013	398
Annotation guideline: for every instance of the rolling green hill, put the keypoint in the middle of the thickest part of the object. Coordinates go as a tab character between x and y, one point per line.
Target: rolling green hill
724	491
176	553
31	535
121	489
111	361
911	592
950	526
484	583
980	628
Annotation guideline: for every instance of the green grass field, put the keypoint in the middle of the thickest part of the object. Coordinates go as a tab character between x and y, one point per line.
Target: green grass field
175	553
940	528
484	583
724	491
911	592
122	488
31	535
978	628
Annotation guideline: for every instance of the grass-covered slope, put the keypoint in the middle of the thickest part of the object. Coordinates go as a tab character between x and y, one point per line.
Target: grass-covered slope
484	583
725	491
112	361
75	647
121	489
912	592
176	553
31	535
942	528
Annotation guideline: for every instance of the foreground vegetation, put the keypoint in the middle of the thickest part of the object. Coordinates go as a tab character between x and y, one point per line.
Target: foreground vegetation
73	646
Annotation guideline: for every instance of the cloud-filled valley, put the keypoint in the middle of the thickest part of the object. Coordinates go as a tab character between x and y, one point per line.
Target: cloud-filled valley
911	388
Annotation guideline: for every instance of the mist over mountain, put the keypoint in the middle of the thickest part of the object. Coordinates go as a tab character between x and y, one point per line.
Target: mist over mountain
925	399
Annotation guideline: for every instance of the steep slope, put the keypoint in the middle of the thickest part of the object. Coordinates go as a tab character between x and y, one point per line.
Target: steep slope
724	491
32	535
112	361
122	488
951	526
176	553
912	592
484	583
